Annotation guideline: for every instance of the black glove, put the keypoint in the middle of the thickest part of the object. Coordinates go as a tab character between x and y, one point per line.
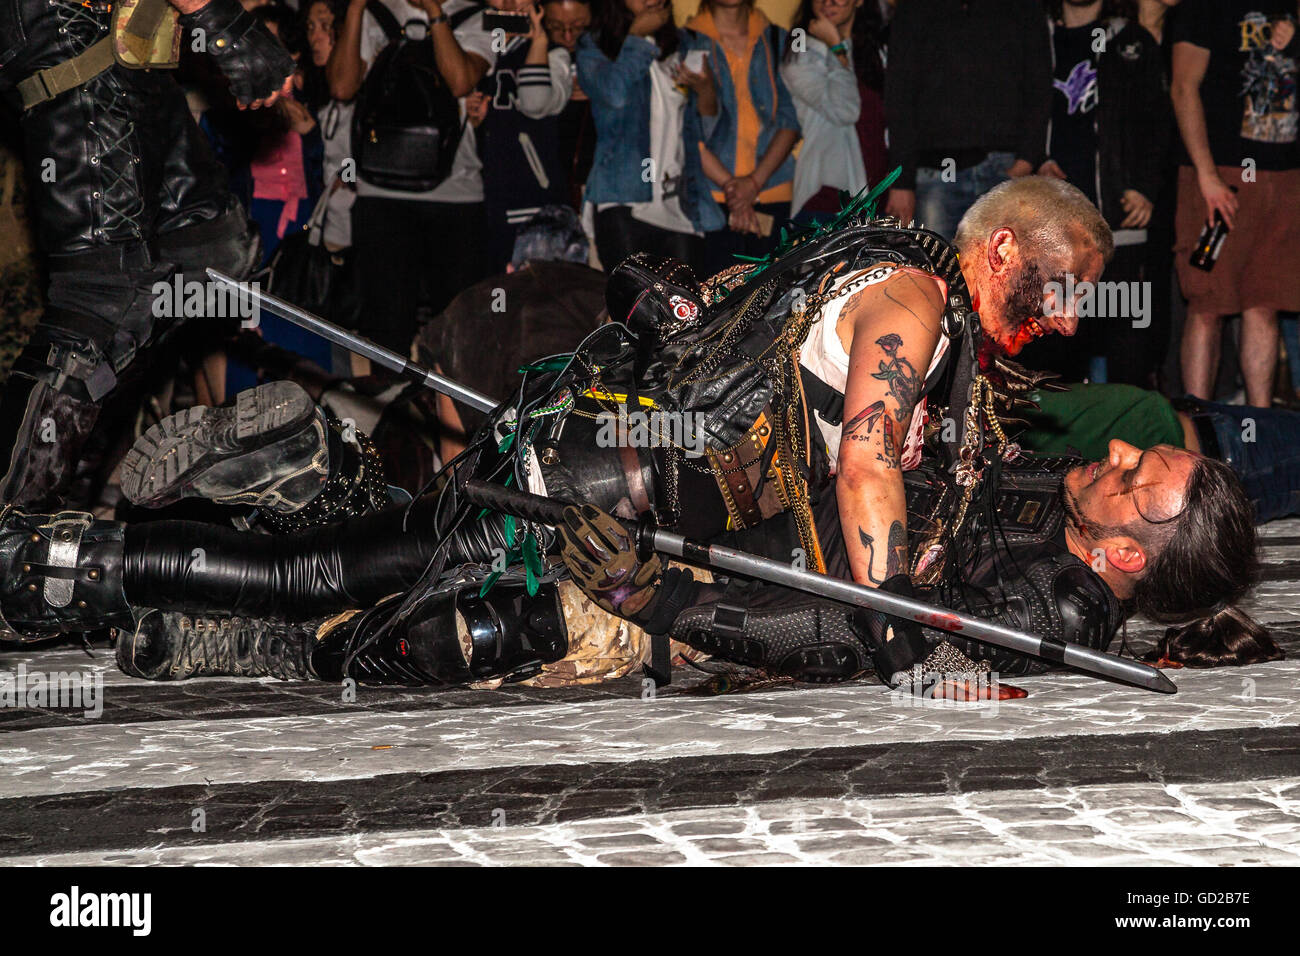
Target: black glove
897	645
601	555
254	61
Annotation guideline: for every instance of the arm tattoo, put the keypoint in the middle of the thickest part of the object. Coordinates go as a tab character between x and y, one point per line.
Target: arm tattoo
895	560
904	386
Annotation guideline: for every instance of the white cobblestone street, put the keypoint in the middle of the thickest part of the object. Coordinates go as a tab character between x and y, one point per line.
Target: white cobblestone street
1081	772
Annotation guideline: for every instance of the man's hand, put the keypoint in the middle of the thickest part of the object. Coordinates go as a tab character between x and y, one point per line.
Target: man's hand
740	191
701	82
257	66
1051	168
536	31
901	205
601	555
648	21
824	30
476	108
1138	208
1021	167
432	7
1218	197
974	690
744	219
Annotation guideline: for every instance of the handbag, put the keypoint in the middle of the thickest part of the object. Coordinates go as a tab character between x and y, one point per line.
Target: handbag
307	274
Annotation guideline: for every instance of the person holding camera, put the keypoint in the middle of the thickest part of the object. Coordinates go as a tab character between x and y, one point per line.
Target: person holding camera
651	107
415	247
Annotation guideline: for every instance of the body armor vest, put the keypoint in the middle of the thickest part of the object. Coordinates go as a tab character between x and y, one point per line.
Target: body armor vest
724	358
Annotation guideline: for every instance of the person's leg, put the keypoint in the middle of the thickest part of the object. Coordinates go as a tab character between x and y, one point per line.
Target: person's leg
453	237
1262	445
1259	336
1202	335
390	252
613	239
933	195
1125	341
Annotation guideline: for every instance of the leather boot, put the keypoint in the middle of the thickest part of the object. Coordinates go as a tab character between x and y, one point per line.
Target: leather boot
169	645
61	574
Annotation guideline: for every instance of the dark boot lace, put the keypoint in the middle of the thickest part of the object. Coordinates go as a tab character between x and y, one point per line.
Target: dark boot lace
238	647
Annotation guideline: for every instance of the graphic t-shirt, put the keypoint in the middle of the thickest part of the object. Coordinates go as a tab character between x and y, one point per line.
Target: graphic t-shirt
1073	139
1249	90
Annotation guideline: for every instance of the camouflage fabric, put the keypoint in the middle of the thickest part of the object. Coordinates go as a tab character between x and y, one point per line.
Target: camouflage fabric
602	647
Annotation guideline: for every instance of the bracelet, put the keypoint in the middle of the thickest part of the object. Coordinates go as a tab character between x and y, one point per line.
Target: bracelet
440	18
839	48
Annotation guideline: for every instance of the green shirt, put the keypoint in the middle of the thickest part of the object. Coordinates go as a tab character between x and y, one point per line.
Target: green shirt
1083	420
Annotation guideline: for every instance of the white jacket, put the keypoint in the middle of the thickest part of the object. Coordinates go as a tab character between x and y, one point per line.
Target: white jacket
826	99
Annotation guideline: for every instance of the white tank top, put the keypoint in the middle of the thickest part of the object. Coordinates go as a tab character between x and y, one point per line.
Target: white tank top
823	354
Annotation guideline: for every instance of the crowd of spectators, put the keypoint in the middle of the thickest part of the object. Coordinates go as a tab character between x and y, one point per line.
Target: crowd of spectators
700	133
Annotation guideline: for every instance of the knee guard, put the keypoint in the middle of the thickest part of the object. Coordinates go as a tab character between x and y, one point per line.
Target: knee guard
61	574
805	638
450	638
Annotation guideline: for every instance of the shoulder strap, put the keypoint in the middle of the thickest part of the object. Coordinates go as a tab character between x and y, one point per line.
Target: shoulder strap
48	83
460	16
386	20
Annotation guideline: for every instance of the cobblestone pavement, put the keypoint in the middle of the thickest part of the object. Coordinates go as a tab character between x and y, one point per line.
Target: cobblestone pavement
1243	822
260	771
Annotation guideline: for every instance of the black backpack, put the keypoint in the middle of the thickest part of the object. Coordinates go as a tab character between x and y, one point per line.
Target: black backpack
406	126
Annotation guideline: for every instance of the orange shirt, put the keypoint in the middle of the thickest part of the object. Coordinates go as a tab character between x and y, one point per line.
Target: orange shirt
748	125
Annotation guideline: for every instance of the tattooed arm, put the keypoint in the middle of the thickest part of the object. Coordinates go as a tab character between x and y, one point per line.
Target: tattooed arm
895	329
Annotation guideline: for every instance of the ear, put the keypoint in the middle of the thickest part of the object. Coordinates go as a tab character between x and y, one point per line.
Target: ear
1126	555
1001	249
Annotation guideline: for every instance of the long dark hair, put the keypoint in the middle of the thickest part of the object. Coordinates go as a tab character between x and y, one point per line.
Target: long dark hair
610	20
867	41
315	86
1205	567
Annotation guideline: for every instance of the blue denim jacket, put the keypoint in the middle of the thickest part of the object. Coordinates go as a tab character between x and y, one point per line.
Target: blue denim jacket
620	108
772	99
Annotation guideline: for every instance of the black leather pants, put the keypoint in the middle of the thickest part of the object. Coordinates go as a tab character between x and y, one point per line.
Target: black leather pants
125	190
202	568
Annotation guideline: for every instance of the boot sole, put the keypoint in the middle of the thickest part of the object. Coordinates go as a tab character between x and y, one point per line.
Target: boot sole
171	455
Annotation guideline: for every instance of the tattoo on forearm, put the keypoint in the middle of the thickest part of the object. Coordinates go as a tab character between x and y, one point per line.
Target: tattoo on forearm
896	556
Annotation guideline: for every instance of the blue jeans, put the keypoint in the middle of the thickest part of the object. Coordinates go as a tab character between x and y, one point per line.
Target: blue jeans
940	205
1269	463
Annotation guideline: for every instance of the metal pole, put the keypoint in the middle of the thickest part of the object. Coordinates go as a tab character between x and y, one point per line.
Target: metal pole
651	538
362	346
990	632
